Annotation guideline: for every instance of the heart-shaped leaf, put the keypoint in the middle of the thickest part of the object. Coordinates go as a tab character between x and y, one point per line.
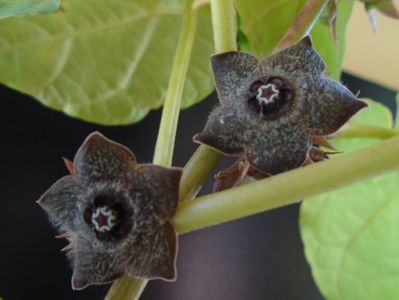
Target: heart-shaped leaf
350	235
104	61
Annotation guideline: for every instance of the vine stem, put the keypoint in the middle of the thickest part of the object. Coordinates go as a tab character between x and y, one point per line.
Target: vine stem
167	130
224	25
204	159
367	131
288	187
130	288
303	24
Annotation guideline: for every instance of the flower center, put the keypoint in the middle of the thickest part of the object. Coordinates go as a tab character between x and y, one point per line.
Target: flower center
108	218
104	218
270	97
267	93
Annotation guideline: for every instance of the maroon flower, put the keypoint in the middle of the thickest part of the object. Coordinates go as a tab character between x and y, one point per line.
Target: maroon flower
274	112
115	214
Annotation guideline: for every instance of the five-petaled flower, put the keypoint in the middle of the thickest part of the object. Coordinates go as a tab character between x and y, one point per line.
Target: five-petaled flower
115	214
274	112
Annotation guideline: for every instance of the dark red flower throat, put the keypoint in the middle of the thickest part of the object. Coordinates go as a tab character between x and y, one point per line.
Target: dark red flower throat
270	97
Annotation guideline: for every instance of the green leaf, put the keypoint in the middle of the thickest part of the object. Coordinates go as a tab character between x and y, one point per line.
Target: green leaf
350	235
104	61
330	49
264	23
9	8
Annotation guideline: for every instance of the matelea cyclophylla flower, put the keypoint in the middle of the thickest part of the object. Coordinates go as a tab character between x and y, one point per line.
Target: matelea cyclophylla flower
115	214
274	113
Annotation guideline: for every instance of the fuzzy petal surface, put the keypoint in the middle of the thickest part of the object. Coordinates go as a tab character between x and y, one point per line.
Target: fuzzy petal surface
155	254
331	105
102	159
155	194
273	154
223	132
91	266
234	72
61	202
300	57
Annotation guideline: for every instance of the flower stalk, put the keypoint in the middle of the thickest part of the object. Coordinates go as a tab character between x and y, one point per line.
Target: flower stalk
287	188
167	130
130	288
204	160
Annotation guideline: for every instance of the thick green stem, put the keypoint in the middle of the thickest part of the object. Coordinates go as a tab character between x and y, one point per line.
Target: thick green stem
126	288
130	288
287	188
224	25
204	160
303	24
367	131
197	171
167	130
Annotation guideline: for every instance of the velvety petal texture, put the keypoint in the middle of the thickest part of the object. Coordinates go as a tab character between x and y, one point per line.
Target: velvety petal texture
222	132
61	202
115	212
271	110
100	158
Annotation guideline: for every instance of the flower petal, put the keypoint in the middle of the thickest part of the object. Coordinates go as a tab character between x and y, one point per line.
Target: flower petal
155	254
223	132
102	159
60	202
278	151
234	73
299	57
91	266
155	195
331	105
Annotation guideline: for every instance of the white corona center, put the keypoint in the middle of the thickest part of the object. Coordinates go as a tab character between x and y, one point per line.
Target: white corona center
107	215
265	100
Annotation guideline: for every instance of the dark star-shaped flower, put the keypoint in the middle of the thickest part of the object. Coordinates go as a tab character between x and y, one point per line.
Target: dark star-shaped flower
274	113
115	214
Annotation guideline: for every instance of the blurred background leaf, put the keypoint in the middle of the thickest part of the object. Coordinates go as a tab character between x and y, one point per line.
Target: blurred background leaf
350	235
104	61
10	8
264	23
373	54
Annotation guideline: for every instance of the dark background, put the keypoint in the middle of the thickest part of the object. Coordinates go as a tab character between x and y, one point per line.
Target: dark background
259	257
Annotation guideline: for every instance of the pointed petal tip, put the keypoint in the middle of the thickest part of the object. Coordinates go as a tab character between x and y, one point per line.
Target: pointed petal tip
78	285
307	40
199	138
358	105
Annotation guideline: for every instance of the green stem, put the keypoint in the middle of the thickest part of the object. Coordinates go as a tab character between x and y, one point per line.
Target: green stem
130	288
167	130
224	25
204	160
367	131
197	171
303	24
287	188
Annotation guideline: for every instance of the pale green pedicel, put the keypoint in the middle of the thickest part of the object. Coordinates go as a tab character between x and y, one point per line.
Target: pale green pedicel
351	235
104	61
10	8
